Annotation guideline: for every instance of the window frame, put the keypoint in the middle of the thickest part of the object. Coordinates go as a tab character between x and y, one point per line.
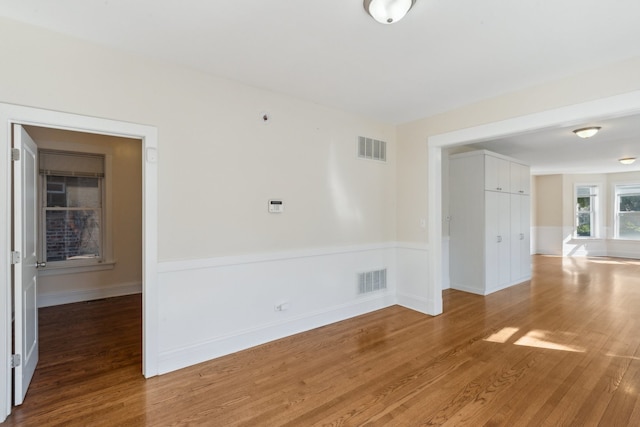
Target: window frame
106	261
616	208
595	211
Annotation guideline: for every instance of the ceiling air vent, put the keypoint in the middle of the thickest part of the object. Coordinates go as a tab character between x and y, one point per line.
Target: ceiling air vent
373	149
372	281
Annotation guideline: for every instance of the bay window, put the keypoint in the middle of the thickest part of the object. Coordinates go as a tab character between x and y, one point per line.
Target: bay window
586	197
627	211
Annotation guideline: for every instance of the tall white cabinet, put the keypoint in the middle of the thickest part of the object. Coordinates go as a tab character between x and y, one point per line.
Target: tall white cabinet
489	222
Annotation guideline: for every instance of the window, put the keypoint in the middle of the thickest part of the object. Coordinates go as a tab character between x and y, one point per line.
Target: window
628	211
586	208
72	208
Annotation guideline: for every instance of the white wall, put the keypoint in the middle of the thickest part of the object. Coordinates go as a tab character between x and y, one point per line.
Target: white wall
218	166
547	220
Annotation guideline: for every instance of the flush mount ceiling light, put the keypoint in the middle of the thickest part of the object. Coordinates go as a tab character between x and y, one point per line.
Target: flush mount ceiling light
388	11
627	160
587	132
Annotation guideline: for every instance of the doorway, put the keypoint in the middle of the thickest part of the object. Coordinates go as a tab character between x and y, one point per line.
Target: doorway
614	106
88	235
147	135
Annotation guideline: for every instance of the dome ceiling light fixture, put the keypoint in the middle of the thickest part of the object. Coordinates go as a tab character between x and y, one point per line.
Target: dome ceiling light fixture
587	132
627	160
388	11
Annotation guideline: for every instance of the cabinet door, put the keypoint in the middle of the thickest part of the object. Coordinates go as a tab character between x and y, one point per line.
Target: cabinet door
496	174
525	242
520	257
519	178
497	244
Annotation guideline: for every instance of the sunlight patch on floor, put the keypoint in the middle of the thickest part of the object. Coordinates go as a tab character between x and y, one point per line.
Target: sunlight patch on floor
622	357
543	339
502	336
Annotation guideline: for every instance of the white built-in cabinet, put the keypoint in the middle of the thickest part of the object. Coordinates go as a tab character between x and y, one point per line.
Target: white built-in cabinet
489	222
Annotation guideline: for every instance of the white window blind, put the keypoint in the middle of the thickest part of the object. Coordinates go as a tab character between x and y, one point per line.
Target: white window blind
63	163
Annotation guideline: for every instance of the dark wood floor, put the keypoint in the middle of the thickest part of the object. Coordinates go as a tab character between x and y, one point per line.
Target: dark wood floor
561	350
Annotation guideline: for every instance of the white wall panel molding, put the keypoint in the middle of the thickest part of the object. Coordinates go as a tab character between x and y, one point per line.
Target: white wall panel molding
67	297
183	265
415	246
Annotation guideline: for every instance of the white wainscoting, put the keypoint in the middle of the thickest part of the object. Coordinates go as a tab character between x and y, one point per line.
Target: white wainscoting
66	297
560	241
584	247
548	240
446	279
212	307
623	248
413	276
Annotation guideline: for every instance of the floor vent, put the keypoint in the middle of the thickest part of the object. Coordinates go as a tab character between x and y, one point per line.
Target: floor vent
372	149
372	281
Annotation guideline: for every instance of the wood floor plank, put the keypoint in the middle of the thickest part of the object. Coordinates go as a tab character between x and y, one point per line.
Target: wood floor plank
560	350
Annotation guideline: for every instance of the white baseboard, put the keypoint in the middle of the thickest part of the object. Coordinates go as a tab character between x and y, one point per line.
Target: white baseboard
469	289
489	291
508	285
67	297
242	340
622	254
414	302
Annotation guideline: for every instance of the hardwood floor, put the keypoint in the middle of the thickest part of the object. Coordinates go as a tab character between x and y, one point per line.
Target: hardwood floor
562	350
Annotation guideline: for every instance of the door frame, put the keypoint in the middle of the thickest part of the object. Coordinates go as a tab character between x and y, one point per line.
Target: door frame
576	114
148	135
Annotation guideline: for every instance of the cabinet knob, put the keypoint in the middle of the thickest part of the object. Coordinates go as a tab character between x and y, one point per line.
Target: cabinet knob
521	236
499	239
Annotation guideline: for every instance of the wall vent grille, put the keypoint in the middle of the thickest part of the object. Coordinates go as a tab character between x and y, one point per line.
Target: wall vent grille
372	281
373	149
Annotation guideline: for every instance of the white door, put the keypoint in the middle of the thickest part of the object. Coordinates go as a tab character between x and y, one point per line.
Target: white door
497	228
25	211
520	239
525	242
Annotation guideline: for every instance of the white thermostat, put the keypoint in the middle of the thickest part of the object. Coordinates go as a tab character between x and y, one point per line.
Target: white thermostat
276	206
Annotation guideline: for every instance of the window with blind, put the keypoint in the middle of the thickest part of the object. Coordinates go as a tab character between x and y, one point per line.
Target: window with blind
627	211
72	207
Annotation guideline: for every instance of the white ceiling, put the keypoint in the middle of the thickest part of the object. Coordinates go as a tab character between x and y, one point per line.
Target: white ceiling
559	150
443	55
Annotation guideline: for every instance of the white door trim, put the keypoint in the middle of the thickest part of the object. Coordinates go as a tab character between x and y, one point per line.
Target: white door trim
600	109
10	114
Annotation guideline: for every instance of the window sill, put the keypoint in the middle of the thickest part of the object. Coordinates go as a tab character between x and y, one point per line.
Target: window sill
55	270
